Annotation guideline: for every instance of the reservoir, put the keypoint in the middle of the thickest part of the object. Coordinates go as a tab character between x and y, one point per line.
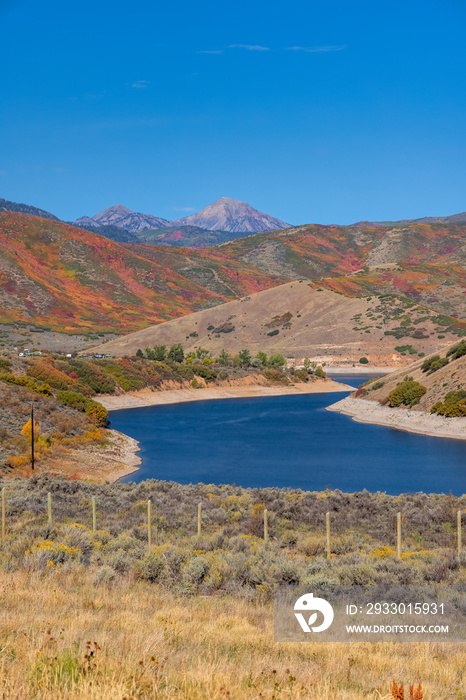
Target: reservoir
288	441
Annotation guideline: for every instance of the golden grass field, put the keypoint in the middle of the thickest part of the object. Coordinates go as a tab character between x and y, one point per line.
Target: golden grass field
64	637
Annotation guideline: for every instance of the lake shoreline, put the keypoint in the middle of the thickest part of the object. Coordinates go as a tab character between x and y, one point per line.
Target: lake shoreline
364	411
146	397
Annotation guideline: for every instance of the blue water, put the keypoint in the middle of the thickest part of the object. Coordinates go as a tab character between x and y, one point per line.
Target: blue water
288	441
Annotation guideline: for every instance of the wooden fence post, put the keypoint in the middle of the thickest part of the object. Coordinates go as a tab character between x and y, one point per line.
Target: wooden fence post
3	513
94	518
398	535
49	507
149	522
329	549
199	519
266	526
460	544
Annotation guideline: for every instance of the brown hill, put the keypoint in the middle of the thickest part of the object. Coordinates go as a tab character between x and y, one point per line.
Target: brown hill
438	380
297	320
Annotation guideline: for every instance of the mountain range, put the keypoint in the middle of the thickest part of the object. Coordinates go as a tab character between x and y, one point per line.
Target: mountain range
122	217
227	215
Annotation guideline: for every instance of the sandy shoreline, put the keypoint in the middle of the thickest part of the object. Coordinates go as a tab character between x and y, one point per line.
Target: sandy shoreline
364	411
146	397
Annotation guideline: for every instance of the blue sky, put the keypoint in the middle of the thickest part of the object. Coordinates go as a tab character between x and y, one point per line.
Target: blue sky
327	112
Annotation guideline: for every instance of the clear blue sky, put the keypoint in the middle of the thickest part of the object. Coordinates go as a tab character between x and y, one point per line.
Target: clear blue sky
328	111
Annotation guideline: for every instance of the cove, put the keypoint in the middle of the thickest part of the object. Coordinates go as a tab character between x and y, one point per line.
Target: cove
287	441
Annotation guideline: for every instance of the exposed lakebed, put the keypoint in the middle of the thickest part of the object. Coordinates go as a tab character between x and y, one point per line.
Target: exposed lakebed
288	441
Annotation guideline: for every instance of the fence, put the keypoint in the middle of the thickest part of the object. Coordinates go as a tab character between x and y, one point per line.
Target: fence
328	547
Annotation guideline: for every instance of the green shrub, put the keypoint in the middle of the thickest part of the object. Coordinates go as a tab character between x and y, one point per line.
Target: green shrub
275	332
151	567
363	361
176	353
408	393
320	373
276	360
205	372
457	351
454	405
432	364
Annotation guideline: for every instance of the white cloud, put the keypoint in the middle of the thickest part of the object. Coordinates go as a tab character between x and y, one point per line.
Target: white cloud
316	49
140	84
185	209
215	51
249	47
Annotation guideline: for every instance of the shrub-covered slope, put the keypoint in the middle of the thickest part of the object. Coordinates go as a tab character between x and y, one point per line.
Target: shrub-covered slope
441	374
69	279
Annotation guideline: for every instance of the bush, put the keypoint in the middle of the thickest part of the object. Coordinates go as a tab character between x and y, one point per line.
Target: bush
151	567
276	360
176	353
457	351
408	393
363	361
275	332
320	373
432	364
453	406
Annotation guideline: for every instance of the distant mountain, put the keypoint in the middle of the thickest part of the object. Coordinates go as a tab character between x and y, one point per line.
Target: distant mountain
114	233
232	216
122	217
453	219
5	205
188	236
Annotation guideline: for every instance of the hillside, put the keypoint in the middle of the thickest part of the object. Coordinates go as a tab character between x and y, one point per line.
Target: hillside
233	216
297	320
438	381
6	205
190	236
424	262
67	279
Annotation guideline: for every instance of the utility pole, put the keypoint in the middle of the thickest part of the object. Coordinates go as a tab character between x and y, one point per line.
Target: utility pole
32	436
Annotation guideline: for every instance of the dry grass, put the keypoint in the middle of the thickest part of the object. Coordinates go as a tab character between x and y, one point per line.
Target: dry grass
64	637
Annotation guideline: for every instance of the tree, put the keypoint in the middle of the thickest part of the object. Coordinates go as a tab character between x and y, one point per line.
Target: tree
307	364
201	353
176	353
160	353
276	360
243	358
224	358
320	373
150	354
139	353
262	357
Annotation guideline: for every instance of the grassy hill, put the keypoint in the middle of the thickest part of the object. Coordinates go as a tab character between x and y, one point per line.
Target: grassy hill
197	617
69	279
298	320
441	374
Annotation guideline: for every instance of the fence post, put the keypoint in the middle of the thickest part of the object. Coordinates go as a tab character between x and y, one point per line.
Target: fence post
266	526
94	518
398	535
460	544
49	507
199	517
329	549
149	522
3	513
